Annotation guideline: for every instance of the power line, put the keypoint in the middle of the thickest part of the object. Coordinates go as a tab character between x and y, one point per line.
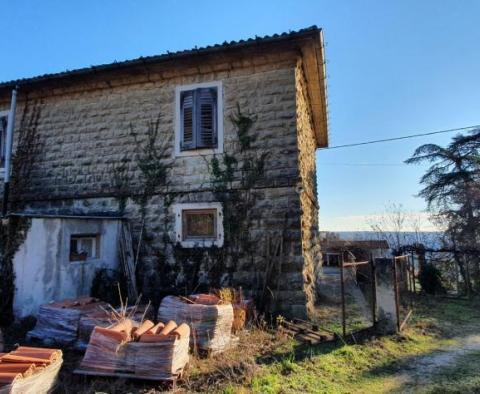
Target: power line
365	164
401	138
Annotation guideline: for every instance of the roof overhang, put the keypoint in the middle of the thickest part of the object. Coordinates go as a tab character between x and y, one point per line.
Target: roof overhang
315	73
308	41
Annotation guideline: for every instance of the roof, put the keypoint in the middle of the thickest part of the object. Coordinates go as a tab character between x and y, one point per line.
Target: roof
311	45
367	244
66	216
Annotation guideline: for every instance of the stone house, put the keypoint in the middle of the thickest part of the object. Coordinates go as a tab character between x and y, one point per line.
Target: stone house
208	154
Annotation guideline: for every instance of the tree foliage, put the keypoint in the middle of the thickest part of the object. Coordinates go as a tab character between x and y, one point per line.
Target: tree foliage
451	187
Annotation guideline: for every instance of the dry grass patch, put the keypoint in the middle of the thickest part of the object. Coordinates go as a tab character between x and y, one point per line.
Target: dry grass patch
237	366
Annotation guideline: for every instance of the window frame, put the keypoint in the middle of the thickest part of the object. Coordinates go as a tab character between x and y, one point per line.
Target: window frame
96	247
205	242
178	120
4	114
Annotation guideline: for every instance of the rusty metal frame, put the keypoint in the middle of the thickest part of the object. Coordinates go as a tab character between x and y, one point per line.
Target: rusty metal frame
344	265
410	280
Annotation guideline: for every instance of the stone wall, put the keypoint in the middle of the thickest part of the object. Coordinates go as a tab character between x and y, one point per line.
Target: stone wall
308	197
88	126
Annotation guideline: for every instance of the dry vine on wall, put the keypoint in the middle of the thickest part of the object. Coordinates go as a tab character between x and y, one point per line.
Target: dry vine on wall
13	229
234	177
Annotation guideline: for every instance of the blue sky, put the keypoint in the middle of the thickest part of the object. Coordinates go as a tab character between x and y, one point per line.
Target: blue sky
394	68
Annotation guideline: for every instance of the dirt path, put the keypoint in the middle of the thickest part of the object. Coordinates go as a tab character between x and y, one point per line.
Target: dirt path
419	371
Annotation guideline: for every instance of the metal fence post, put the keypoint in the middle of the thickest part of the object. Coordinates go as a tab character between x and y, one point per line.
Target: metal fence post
413	273
374	291
342	286
467	272
395	286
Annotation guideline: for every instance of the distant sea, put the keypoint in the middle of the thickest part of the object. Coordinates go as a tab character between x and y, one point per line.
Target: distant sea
430	239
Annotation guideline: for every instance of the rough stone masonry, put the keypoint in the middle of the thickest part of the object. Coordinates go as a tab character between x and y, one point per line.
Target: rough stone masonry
92	122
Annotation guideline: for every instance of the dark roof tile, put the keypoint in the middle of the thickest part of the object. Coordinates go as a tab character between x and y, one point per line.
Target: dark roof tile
177	54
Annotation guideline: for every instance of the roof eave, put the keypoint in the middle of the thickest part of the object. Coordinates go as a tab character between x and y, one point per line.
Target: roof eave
142	61
314	61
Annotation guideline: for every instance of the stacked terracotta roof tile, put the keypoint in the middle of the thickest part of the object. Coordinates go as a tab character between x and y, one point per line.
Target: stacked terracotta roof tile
29	368
71	322
142	350
57	322
210	318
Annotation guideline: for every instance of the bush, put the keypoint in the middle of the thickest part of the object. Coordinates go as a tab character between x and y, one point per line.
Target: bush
105	286
431	279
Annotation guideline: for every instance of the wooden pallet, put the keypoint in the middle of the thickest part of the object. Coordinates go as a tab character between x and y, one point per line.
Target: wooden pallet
127	375
305	332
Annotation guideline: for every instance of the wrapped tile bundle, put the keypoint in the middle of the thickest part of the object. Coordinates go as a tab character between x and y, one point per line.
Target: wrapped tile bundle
107	353
29	370
132	350
57	322
210	321
103	318
163	355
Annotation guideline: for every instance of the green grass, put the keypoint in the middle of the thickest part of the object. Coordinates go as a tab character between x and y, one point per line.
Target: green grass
268	363
373	367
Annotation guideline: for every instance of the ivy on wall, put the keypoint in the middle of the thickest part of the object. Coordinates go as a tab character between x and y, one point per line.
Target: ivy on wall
13	229
233	178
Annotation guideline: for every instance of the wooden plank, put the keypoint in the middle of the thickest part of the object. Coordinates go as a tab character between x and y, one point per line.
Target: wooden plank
127	258
409	314
311	329
80	371
299	328
314	327
354	264
304	333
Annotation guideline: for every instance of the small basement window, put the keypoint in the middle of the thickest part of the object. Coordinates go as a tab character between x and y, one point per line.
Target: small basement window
199	120
84	247
199	224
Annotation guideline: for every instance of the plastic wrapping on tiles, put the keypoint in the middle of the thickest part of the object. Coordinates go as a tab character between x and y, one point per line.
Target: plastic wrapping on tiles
211	325
41	382
58	322
163	360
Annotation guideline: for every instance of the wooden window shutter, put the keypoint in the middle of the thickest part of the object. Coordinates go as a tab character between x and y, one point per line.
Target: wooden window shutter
187	117
3	138
206	117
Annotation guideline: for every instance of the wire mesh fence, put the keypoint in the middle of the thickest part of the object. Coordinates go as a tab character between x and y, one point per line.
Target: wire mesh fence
346	297
404	288
358	296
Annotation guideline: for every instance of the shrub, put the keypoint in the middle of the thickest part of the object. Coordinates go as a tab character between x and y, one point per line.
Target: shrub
431	279
105	286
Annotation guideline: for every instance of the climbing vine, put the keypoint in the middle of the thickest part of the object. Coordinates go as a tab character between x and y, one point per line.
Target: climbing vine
13	229
233	177
151	158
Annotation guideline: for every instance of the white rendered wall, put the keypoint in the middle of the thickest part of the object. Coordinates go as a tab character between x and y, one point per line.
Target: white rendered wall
43	272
